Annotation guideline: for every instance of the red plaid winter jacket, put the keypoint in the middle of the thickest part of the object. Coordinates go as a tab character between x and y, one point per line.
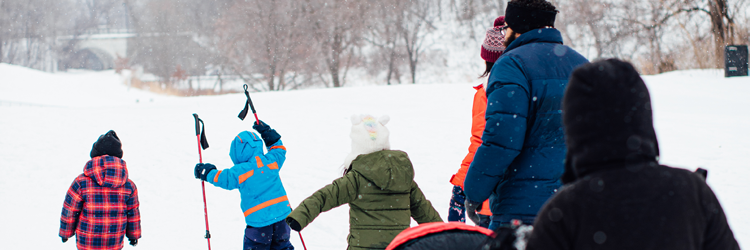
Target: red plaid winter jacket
101	206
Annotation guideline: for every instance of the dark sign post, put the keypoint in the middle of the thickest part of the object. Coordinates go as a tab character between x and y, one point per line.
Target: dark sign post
735	60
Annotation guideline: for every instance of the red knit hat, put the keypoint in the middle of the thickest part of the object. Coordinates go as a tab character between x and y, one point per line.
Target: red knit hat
500	21
493	47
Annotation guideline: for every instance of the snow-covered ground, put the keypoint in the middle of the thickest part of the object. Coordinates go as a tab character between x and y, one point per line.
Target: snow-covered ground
48	123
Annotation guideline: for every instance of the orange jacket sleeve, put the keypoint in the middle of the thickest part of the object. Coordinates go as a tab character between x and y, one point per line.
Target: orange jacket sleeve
477	128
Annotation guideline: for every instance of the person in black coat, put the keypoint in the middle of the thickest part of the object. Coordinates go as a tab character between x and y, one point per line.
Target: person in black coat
615	193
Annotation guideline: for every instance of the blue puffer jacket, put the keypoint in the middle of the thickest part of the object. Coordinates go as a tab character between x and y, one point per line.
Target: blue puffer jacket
264	200
519	164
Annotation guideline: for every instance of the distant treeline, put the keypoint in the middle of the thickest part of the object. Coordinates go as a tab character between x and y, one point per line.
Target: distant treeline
285	44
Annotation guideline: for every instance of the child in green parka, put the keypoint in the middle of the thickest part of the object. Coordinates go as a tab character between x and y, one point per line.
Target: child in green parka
378	186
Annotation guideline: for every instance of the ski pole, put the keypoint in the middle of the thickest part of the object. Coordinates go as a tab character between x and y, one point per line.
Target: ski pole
200	133
248	103
303	240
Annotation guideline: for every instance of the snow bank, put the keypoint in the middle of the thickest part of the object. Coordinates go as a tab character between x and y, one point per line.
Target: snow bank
700	119
76	88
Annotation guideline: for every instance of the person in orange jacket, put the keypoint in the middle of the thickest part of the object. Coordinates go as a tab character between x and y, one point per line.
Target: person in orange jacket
492	48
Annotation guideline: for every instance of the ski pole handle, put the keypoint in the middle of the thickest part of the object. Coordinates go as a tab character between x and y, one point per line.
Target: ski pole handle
197	124
200	132
249	102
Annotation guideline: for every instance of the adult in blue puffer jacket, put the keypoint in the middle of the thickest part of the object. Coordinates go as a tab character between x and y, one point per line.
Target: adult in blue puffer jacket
519	164
256	175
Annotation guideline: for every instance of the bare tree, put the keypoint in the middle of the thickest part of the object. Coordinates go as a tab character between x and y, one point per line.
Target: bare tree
264	36
468	10
384	32
723	25
87	18
419	16
29	29
721	19
718	15
601	25
474	16
167	40
337	27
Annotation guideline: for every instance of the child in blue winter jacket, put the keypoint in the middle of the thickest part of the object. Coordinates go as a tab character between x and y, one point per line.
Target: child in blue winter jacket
256	175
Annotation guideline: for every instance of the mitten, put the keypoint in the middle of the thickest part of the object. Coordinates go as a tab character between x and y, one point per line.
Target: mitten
471	210
484	220
64	239
133	242
293	224
269	135
202	170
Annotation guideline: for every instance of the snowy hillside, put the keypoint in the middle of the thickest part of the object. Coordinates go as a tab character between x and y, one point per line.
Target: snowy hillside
48	123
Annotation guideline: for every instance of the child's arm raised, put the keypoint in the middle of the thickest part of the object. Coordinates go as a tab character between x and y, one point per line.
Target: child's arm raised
276	153
343	190
421	208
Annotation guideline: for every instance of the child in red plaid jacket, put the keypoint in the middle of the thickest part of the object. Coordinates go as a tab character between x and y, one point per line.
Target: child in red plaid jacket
101	205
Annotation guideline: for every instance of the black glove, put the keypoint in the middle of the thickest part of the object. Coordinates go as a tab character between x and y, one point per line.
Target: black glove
202	170
293	224
504	238
471	210
484	220
133	242
64	239
269	135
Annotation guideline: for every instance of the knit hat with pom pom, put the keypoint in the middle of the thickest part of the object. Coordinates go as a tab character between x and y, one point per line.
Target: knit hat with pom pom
368	135
492	47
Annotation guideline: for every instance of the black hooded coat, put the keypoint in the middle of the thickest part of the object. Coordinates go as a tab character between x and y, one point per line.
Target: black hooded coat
616	195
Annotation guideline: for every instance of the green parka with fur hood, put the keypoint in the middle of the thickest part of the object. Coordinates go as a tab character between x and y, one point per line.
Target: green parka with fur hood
382	197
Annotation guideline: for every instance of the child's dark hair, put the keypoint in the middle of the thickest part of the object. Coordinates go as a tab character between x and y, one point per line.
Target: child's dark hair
487	69
535	4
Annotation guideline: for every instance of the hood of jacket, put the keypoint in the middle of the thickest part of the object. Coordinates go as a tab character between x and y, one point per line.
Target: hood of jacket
245	146
389	170
107	171
543	35
607	119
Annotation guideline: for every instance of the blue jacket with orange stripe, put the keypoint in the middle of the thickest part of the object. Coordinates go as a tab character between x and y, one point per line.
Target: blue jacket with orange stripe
256	175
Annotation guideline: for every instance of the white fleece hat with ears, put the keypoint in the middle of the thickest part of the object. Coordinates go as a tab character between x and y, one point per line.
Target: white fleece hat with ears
368	135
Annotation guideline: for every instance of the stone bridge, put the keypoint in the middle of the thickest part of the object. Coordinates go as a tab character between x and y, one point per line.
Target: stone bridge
97	50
